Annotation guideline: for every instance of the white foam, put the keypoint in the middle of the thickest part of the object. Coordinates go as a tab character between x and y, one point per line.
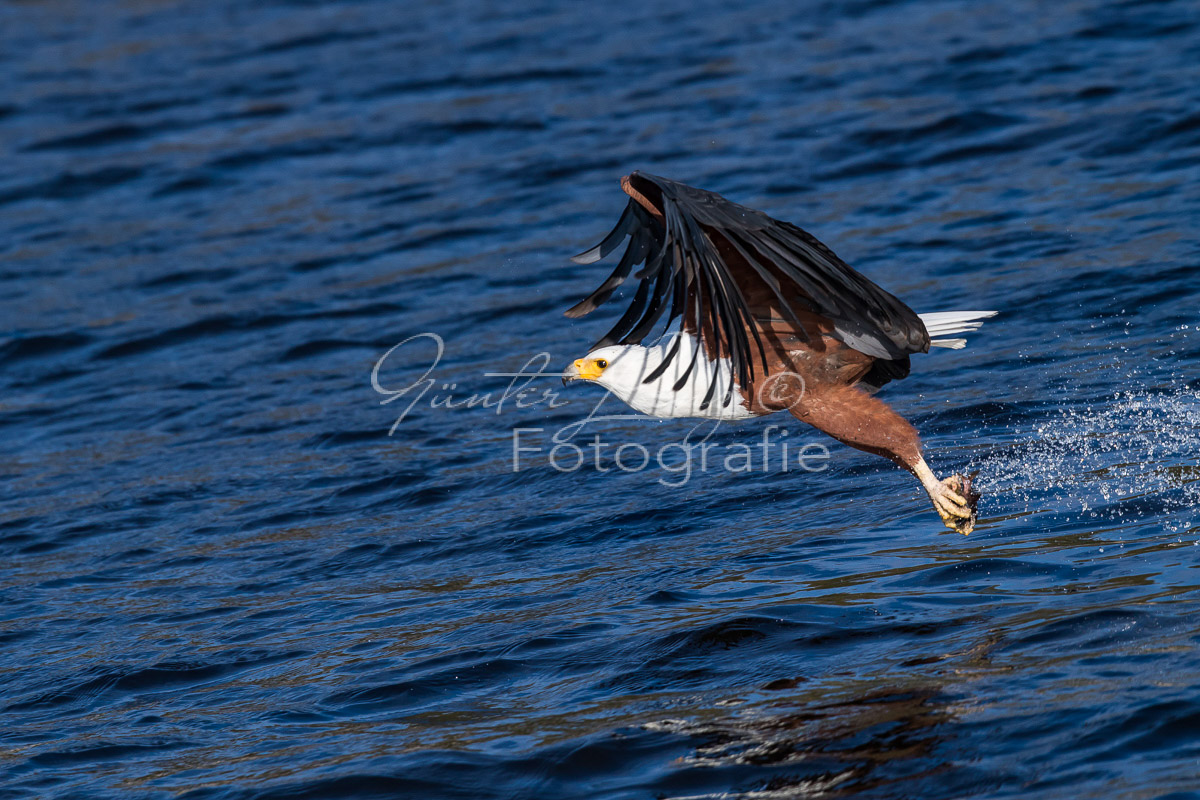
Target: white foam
1107	461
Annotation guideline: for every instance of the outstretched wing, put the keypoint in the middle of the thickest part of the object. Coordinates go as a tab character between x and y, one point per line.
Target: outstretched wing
703	256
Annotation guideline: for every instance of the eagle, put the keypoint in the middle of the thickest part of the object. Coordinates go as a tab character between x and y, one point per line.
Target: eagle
761	318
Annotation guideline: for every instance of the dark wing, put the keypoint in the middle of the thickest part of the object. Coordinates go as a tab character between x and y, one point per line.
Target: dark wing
680	243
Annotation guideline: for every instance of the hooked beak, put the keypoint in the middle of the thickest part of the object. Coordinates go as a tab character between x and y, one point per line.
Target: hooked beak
580	369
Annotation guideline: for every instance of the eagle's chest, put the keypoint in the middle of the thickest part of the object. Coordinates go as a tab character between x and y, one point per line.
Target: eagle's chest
660	398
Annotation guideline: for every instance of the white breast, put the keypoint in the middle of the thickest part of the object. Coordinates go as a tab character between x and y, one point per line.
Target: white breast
629	365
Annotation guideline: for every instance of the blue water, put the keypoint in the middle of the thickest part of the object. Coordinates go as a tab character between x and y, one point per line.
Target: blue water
229	570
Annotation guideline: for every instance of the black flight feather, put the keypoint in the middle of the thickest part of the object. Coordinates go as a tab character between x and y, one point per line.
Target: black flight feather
685	273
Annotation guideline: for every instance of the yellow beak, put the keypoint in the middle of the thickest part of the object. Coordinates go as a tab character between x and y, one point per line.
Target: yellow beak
581	369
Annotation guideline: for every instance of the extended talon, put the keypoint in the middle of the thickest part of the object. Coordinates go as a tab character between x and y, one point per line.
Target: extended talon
949	492
952	509
955	502
954	498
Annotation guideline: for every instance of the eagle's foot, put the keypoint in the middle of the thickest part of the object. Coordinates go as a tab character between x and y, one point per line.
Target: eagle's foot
955	500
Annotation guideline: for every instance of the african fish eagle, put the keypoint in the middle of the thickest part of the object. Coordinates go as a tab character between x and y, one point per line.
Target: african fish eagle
763	318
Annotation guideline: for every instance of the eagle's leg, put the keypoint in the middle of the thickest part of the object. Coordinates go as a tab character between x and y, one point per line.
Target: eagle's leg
864	422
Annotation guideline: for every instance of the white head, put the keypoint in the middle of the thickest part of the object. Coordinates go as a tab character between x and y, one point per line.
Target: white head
618	368
623	369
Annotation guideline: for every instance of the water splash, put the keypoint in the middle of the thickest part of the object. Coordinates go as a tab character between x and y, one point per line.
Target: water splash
1133	456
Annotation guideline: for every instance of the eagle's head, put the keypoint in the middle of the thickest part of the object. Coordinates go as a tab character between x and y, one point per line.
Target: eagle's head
612	367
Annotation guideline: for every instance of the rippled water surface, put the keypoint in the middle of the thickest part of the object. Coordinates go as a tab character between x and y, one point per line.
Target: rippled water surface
221	577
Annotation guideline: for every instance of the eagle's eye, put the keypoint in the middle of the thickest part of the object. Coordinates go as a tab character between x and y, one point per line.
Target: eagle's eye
601	363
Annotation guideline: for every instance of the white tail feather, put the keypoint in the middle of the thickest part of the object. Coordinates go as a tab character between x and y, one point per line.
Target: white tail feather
947	323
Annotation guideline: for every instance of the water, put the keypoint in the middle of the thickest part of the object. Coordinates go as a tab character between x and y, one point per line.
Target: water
223	578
